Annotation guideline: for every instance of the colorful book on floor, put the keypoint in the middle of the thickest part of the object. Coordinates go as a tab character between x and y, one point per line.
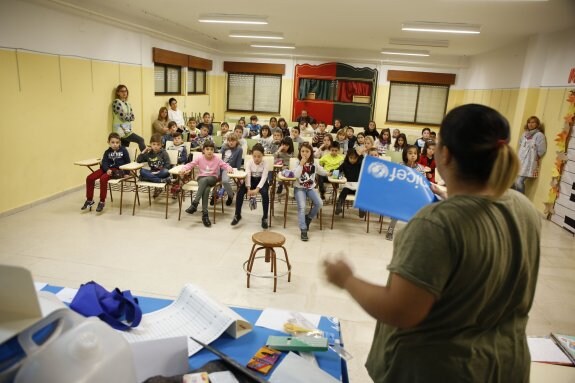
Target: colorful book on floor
391	190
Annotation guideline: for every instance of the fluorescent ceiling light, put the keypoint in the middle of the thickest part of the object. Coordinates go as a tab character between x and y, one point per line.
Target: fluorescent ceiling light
257	35
404	52
272	45
232	19
420	42
430	26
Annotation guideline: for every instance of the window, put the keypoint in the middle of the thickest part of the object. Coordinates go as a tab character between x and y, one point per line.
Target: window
417	103
196	81
167	79
254	92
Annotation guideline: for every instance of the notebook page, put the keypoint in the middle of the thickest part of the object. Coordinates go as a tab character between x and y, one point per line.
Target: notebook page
193	313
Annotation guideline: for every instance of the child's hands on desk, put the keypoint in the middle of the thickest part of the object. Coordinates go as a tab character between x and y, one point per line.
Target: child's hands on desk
184	172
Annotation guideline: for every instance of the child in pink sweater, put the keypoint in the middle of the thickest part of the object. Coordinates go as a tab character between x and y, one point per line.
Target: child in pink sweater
209	168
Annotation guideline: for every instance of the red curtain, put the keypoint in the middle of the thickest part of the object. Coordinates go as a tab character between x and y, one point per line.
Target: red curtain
348	89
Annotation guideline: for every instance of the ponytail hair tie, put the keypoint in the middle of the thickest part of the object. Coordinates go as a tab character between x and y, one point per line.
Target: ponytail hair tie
501	143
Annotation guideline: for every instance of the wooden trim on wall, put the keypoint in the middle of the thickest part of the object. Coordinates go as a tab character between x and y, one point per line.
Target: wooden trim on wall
255	68
199	63
421	77
162	56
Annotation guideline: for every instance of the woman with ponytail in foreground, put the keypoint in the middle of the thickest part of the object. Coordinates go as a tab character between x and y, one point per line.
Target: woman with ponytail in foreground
463	272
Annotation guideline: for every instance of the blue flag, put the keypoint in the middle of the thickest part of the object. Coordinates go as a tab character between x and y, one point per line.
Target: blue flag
391	189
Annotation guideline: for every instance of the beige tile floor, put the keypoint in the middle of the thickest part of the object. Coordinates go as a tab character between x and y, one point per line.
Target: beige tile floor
156	257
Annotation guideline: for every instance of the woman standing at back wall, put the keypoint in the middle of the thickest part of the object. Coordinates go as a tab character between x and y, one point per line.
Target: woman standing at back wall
532	146
123	117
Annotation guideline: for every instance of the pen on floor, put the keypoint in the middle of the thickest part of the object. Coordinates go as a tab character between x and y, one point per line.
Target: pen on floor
231	362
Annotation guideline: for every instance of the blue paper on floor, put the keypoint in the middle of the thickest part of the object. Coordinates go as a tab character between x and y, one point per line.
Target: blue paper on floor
391	190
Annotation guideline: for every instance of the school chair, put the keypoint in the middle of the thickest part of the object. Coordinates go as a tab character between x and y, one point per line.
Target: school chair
217	127
309	140
165	187
251	142
118	183
349	200
396	157
218	141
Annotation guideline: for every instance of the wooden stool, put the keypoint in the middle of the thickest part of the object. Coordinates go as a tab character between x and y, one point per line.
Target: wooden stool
268	241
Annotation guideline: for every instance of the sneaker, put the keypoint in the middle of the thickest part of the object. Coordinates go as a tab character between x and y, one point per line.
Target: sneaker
100	206
304	236
157	192
193	208
307	222
361	213
167	180
206	220
212	200
229	201
87	204
323	195
236	219
264	223
338	208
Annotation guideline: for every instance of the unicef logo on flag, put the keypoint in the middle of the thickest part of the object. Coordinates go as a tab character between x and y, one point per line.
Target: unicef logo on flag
378	170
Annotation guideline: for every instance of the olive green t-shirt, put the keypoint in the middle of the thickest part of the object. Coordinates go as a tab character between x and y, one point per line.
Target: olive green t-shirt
480	258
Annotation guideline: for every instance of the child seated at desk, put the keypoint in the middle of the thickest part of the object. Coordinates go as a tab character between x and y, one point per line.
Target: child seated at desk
277	137
410	158
351	139
304	188
295	135
239	131
283	155
114	157
204	137
265	138
350	168
232	155
209	167
169	136
256	182
253	126
178	144
329	162
158	162
341	139
224	130
324	148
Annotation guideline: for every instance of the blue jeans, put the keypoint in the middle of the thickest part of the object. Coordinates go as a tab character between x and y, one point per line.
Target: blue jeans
227	184
301	196
147	175
520	184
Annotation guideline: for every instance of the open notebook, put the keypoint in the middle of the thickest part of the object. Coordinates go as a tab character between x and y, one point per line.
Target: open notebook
193	313
555	349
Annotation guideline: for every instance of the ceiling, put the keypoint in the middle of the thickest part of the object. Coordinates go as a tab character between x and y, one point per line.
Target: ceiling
335	29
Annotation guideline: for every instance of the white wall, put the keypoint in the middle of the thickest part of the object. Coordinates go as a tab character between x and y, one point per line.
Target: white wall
498	69
559	57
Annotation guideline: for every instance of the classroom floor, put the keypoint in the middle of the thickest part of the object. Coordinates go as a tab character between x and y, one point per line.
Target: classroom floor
153	256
